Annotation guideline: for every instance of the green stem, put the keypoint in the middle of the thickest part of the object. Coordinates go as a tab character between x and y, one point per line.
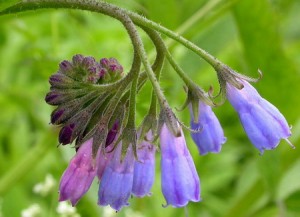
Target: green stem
179	70
26	164
142	21
120	14
158	64
100	7
196	17
132	99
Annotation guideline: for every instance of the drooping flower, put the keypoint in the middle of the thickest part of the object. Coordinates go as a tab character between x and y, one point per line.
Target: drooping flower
79	175
262	121
210	137
180	181
117	179
103	157
144	169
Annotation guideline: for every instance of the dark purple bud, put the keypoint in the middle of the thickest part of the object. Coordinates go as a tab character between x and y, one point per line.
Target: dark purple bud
56	115
65	134
112	65
65	67
60	80
50	97
93	70
102	72
88	62
104	62
77	59
112	134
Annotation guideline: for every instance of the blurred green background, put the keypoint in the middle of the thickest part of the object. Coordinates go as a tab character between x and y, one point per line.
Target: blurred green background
245	34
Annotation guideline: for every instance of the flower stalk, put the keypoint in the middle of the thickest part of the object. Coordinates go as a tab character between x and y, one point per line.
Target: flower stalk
96	107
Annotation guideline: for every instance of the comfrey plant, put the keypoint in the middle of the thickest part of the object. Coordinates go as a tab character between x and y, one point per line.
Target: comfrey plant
96	107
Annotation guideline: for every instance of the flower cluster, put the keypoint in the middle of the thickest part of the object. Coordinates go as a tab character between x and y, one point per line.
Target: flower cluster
87	115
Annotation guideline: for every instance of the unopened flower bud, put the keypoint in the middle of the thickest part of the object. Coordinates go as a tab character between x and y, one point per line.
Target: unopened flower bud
66	67
65	134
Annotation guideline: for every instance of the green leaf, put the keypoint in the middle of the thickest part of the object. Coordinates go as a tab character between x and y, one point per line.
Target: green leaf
290	182
258	26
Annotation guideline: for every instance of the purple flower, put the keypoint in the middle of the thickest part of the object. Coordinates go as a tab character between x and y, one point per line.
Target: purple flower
104	158
79	175
211	136
116	184
144	169
263	123
180	181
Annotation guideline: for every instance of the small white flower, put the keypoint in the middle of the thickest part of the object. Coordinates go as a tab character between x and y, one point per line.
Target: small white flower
108	211
44	188
33	211
131	213
66	210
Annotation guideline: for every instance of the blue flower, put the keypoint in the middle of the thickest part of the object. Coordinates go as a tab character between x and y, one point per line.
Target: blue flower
263	122
117	179
180	181
210	138
144	169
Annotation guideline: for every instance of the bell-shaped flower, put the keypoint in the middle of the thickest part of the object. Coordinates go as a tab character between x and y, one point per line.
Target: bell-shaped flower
104	156
180	181
144	169
116	183
210	137
263	122
79	175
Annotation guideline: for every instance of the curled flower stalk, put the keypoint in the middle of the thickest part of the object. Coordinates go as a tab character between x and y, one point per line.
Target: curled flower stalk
96	101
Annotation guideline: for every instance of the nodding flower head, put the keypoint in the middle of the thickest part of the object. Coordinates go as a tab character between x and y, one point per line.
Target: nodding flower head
117	179
262	121
96	109
79	175
144	168
74	93
180	181
210	137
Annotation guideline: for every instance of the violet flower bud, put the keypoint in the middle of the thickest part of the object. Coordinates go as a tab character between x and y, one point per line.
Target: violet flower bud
104	156
263	123
79	175
56	115
144	169
116	184
65	67
113	69
51	98
65	134
180	181
112	134
210	138
77	59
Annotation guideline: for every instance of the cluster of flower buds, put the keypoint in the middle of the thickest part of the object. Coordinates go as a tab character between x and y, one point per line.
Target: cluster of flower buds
72	91
124	168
